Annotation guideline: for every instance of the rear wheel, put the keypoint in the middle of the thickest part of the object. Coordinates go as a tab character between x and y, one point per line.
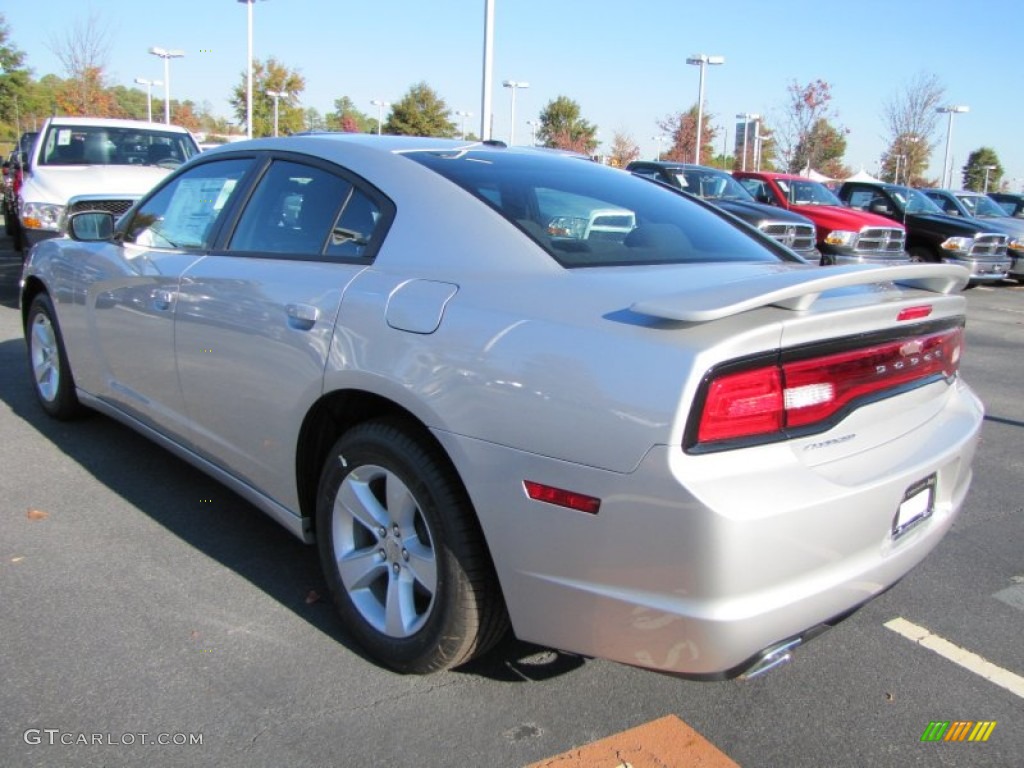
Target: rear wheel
403	553
51	374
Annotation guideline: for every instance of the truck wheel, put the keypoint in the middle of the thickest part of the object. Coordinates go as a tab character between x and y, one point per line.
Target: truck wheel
922	255
403	553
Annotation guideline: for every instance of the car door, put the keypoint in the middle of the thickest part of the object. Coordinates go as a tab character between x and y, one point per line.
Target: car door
257	315
133	291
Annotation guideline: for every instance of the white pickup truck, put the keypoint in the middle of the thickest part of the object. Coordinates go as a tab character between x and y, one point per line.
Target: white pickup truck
92	163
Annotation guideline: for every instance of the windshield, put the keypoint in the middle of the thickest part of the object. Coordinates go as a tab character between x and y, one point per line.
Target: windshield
713	185
585	214
807	192
108	145
979	205
911	201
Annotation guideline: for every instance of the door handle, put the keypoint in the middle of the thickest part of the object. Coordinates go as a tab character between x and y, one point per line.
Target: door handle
162	300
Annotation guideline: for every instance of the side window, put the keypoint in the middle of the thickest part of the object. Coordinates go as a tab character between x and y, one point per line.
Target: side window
183	213
293	210
351	236
860	198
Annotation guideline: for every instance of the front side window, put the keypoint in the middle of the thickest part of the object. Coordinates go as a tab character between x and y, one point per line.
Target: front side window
585	215
115	145
183	214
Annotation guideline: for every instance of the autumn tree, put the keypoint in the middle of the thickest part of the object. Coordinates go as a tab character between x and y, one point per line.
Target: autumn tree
82	51
421	112
562	127
347	118
681	129
271	75
806	135
983	163
823	149
624	150
911	119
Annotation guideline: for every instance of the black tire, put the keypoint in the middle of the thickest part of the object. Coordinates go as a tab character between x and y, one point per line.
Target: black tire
922	255
48	362
418	590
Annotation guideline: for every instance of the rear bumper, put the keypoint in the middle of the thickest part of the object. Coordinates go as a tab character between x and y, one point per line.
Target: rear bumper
695	565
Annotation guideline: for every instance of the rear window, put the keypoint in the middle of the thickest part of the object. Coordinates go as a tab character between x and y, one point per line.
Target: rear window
585	214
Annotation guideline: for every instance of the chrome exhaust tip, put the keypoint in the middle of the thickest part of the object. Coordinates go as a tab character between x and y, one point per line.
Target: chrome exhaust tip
771	657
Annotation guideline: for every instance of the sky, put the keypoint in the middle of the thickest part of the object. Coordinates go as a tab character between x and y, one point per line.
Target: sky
624	63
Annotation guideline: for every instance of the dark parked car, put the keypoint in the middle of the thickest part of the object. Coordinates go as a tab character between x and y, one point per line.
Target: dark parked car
974	205
933	236
722	190
14	174
1011	202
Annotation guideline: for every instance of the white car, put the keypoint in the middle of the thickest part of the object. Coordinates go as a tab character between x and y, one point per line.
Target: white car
91	163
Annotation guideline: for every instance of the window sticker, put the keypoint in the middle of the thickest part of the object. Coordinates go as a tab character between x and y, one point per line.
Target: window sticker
63	137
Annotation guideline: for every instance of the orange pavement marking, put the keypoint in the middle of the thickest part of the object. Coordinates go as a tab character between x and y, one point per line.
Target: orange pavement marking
667	741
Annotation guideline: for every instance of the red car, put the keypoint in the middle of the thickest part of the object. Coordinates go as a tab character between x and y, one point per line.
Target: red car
845	235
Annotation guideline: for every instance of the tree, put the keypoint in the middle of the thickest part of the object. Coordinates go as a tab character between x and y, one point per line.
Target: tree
624	150
822	149
14	82
83	52
682	129
271	75
981	163
314	120
347	118
421	112
806	134
911	120
561	127
182	114
130	102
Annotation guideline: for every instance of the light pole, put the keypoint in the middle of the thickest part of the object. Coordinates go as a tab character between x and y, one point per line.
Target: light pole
987	169
661	140
149	94
759	139
702	60
248	68
380	104
167	55
275	95
463	115
486	116
746	117
533	132
514	85
950	110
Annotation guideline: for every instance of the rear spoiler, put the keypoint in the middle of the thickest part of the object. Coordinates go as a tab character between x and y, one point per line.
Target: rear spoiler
796	290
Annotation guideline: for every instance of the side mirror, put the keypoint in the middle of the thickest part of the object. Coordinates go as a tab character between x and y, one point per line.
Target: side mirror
91	226
882	209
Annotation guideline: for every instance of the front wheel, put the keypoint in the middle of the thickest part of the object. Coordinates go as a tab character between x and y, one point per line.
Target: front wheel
921	255
402	551
51	374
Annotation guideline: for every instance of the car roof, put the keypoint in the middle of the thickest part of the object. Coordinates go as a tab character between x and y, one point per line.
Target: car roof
115	122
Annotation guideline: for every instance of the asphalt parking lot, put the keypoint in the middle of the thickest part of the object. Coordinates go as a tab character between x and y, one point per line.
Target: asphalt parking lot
141	602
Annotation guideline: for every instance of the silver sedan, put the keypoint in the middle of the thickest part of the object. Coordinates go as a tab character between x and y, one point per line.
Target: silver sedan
508	387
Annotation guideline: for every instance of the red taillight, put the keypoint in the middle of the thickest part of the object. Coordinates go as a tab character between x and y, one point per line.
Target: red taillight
561	497
803	393
915	313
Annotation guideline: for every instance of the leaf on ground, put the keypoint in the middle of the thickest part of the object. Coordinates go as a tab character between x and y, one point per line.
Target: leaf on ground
17	559
312	597
194	635
36	514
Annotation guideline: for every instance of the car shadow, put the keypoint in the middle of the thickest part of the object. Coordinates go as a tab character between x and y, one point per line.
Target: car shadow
223	526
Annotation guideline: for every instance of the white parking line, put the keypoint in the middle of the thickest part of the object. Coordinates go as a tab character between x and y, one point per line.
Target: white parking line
966	659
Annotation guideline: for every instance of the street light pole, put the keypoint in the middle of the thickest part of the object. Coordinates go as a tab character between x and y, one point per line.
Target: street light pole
149	94
380	104
463	115
514	85
746	117
533	132
167	55
248	68
950	110
660	140
987	169
486	117
275	95
702	60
